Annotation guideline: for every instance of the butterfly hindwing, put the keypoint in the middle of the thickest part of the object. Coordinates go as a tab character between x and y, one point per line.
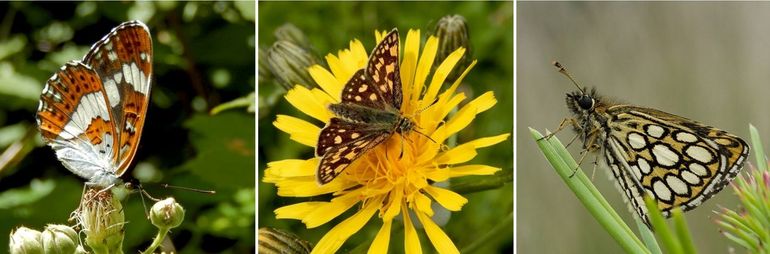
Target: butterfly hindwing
341	143
75	120
123	58
679	161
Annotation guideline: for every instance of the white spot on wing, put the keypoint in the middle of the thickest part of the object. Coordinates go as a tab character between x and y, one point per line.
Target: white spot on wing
661	191
636	141
112	92
699	153
677	185
655	131
664	155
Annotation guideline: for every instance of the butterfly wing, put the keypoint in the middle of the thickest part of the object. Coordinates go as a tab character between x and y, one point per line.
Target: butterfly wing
340	143
382	68
680	161
76	122
123	58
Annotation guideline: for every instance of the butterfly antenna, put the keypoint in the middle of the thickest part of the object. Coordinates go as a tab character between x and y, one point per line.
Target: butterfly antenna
165	185
564	71
418	132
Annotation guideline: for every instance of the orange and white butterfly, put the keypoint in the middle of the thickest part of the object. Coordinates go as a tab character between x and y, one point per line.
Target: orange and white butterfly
92	111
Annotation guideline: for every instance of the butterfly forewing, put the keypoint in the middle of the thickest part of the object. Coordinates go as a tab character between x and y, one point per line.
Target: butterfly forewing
123	58
383	70
368	114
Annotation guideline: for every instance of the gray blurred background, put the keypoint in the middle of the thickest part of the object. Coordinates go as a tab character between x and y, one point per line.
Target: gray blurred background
704	61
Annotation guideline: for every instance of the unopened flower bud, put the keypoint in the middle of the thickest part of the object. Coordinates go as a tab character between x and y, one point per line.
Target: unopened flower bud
289	32
59	239
452	33
289	62
25	240
166	214
103	221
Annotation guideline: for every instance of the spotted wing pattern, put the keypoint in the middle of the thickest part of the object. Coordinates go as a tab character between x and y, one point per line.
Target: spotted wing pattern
349	142
123	58
382	68
680	162
367	115
91	112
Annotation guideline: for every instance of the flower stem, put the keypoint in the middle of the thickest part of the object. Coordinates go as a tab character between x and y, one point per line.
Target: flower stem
157	241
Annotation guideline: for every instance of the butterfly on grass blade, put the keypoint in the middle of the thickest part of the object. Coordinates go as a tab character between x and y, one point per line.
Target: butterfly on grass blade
368	114
677	161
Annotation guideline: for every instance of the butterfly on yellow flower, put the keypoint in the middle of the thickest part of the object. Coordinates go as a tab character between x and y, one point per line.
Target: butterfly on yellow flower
368	114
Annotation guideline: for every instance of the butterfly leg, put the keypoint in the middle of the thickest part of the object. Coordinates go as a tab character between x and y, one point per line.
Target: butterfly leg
591	147
563	124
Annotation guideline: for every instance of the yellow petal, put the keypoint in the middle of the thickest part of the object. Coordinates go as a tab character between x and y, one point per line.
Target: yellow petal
446	198
458	154
332	209
307	102
423	204
337	68
408	67
488	141
381	241
439	76
308	187
297	211
290	168
333	239
437	237
443	174
411	240
299	130
485	101
396	199
326	81
453	87
359	53
466	115
425	65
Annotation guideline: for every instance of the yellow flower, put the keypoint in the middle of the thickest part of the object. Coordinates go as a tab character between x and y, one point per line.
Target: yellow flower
384	181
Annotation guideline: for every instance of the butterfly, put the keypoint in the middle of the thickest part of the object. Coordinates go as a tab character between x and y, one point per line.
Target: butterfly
368	114
677	161
91	111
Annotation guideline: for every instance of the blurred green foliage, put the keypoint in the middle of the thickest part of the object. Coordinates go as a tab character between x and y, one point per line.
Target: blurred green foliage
203	57
329	27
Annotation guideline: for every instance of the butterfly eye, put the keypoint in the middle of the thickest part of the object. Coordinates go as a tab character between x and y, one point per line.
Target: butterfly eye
585	102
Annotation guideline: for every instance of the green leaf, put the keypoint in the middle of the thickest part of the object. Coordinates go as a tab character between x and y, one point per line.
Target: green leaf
225	149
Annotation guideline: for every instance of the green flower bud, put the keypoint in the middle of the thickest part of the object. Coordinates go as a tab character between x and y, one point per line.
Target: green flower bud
59	239
25	240
289	62
289	32
166	214
101	216
452	33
